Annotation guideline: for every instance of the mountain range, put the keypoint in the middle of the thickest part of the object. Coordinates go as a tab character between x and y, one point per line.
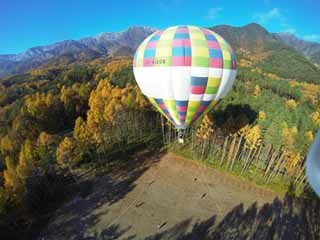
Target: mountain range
117	43
309	49
267	51
271	50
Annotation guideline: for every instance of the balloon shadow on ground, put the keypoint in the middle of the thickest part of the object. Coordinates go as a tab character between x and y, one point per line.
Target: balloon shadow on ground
234	117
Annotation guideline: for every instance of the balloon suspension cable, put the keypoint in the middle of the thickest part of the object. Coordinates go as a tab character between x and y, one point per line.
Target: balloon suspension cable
181	135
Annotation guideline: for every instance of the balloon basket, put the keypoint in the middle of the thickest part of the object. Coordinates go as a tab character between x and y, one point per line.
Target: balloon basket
181	135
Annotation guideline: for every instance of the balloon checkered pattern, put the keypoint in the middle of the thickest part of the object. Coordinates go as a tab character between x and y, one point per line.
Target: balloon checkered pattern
184	71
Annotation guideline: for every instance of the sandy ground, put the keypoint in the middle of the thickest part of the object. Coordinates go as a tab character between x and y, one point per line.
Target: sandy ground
158	197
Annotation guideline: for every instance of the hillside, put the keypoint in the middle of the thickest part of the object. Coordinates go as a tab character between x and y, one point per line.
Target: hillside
259	48
309	49
112	44
60	122
72	118
252	42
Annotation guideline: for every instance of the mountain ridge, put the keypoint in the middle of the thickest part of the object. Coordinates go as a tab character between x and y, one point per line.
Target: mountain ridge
105	36
310	49
107	43
259	49
252	37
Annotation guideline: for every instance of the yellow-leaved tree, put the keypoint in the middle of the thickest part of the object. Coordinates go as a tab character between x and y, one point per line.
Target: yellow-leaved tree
65	152
6	145
291	157
262	115
205	129
253	137
291	104
110	105
12	181
315	116
203	134
27	161
309	136
257	91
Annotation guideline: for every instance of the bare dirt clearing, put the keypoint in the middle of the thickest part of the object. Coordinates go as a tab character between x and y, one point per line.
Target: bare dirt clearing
158	197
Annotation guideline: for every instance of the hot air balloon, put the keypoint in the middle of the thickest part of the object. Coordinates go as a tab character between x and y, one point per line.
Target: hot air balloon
184	71
313	165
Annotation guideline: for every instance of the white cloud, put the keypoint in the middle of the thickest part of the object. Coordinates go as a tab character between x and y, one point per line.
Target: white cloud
275	16
290	30
312	37
213	13
271	15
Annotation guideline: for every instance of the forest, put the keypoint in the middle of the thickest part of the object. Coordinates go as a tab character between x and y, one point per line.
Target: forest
59	121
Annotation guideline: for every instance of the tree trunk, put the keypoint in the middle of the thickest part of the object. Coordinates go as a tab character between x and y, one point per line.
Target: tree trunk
276	168
231	151
256	156
192	144
266	154
273	157
162	128
301	173
224	150
244	167
236	153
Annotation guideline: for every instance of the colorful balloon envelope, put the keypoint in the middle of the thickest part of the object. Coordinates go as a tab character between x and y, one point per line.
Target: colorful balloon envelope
184	71
313	165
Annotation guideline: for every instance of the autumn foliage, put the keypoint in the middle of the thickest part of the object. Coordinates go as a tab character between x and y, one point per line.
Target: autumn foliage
57	119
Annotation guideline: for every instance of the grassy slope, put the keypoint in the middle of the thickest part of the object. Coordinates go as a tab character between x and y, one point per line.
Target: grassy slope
288	63
281	59
255	176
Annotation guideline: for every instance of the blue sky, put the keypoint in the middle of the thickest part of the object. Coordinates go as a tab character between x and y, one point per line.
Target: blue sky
28	23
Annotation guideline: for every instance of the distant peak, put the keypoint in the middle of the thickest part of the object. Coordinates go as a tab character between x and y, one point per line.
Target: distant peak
289	36
252	27
115	35
146	28
255	26
286	34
